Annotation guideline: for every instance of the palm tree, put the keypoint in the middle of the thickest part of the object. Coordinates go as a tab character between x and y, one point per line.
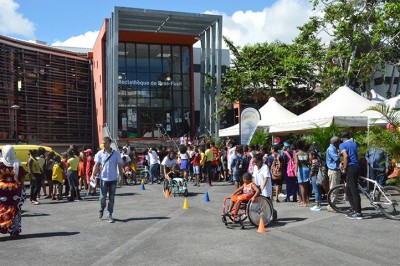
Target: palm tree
388	139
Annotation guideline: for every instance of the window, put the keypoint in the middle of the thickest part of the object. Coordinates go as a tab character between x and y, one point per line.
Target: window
154	88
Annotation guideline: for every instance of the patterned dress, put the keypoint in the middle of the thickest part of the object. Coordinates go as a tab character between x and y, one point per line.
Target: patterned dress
12	196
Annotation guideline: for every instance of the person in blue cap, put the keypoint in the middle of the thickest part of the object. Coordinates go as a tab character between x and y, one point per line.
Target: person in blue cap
351	168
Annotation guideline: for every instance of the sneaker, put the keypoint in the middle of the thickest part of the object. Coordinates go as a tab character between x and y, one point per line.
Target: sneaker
110	219
329	209
354	216
101	214
315	208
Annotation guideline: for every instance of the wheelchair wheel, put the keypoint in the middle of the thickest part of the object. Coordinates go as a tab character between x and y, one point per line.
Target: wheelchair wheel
260	208
241	213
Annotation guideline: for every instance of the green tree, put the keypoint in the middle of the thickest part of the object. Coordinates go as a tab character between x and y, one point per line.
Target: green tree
260	138
263	70
365	36
389	140
322	136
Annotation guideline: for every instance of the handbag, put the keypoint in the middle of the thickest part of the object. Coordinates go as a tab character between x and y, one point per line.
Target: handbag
322	176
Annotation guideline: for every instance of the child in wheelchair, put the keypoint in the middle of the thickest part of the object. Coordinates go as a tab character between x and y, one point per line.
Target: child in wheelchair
247	192
174	182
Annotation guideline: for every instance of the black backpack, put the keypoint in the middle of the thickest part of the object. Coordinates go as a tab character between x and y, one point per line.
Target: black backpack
241	165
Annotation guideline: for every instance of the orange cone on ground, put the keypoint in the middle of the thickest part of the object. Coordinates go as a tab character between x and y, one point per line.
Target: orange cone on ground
167	194
261	226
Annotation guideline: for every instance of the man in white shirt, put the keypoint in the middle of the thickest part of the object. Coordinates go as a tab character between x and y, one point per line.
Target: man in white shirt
169	163
262	176
154	165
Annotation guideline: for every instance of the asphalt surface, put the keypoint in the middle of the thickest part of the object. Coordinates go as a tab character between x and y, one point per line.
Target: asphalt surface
152	230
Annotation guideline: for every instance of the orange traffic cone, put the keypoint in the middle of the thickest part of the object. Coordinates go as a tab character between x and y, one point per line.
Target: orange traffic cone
261	226
167	194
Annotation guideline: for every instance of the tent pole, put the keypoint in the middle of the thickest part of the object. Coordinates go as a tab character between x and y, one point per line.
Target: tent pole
368	125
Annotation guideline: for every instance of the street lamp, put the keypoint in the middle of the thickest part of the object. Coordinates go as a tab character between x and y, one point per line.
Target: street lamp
15	108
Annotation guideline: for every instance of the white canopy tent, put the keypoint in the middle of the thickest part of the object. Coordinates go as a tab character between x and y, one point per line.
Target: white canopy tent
393	103
377	98
229	131
344	108
271	113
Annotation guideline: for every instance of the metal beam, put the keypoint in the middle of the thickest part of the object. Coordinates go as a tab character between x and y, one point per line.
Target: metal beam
218	78
212	83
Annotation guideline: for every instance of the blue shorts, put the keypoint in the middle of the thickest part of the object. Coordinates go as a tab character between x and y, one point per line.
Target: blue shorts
185	165
303	175
236	177
196	170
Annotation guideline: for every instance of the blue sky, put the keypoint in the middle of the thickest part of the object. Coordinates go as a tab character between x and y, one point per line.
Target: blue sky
75	23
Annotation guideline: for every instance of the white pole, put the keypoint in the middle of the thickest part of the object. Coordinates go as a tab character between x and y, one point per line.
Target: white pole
368	149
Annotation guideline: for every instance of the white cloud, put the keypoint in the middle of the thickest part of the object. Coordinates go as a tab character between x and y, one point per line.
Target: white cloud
85	40
13	22
278	22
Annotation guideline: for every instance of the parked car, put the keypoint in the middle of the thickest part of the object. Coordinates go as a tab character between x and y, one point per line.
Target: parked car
22	154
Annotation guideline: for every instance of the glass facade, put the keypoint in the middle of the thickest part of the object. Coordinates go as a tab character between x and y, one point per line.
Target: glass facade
154	88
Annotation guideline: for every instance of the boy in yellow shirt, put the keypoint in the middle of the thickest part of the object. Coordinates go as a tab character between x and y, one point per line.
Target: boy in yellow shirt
57	178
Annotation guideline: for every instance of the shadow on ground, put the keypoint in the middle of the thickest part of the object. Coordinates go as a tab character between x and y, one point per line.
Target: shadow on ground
141	218
284	221
40	235
25	215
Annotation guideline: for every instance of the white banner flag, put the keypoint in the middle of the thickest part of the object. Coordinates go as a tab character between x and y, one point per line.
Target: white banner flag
249	119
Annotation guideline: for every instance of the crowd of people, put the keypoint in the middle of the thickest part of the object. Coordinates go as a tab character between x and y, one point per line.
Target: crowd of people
250	168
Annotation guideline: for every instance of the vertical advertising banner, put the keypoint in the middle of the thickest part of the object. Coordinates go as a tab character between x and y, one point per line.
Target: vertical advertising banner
249	119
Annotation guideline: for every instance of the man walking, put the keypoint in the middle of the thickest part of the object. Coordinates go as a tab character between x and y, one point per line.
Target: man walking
351	168
108	163
332	162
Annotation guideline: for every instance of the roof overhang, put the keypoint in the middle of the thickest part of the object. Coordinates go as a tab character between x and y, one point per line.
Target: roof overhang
168	22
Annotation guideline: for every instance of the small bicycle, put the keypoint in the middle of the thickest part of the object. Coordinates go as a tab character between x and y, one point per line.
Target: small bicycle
385	199
131	178
145	175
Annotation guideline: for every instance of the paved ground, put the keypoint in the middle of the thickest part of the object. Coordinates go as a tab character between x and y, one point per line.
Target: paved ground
153	230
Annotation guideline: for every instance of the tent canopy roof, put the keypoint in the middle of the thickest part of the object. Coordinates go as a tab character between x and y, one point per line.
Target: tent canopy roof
344	108
271	113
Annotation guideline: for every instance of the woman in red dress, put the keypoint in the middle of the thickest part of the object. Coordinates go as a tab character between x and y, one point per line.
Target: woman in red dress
12	192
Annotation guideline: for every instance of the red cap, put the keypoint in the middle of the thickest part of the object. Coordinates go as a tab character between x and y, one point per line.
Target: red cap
276	140
88	151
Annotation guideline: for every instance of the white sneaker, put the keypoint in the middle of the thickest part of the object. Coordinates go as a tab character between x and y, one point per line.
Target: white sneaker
315	208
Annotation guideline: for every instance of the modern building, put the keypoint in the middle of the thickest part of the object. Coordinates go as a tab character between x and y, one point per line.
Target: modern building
45	94
143	76
143	73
